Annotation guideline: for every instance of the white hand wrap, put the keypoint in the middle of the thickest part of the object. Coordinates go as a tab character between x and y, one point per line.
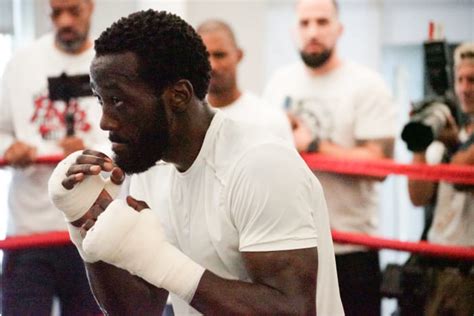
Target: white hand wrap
135	241
76	202
76	238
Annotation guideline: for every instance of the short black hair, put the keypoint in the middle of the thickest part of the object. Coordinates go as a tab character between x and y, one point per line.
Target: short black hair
169	49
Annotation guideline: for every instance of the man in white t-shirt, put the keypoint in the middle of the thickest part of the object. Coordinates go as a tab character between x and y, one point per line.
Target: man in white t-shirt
224	92
453	215
343	110
31	125
247	230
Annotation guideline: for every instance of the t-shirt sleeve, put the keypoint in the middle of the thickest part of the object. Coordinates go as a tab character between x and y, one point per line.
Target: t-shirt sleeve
270	200
375	110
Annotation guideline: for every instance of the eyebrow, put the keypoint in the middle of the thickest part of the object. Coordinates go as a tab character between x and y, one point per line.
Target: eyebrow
468	54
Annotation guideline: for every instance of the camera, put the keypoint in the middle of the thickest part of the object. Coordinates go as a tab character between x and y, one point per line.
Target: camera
65	88
430	116
427	120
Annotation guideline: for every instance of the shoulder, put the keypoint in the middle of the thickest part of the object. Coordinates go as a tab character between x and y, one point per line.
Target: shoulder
364	75
251	98
290	69
28	55
271	163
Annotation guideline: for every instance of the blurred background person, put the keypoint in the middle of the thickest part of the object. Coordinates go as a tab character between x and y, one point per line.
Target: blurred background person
451	290
32	125
343	110
224	92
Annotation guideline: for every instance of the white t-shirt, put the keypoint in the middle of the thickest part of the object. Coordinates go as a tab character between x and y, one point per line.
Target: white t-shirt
453	216
250	109
27	115
350	103
246	192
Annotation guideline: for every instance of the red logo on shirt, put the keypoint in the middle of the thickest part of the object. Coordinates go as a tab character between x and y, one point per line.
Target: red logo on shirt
50	117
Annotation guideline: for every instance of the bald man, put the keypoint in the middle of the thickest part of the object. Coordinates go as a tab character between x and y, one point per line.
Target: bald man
224	93
31	125
343	110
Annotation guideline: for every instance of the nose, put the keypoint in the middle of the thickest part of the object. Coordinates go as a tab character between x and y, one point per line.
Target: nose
107	123
314	29
213	62
64	19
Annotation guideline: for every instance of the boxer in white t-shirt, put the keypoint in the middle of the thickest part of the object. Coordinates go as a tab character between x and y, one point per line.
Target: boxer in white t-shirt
247	230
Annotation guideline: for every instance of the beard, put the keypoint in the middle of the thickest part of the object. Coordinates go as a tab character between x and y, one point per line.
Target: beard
73	44
148	144
316	60
220	84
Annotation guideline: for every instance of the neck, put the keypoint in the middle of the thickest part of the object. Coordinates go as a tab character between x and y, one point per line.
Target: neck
193	126
223	99
333	62
85	46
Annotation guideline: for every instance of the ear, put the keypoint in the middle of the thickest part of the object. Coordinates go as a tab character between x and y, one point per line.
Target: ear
179	95
240	54
340	29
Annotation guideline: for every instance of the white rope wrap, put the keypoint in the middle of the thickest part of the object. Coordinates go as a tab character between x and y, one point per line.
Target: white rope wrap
76	202
135	241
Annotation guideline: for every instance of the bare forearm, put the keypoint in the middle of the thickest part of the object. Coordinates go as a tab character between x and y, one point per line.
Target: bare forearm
244	298
120	293
364	150
464	158
421	192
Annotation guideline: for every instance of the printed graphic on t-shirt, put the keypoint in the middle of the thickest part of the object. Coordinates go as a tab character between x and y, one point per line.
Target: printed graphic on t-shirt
315	114
50	117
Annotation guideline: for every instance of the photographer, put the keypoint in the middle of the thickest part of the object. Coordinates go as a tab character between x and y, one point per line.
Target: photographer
451	288
32	124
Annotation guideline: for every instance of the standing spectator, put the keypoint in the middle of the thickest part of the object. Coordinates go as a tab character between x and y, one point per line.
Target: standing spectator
32	125
224	92
452	289
343	110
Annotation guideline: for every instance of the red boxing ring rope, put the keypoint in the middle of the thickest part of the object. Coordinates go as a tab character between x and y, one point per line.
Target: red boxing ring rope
455	174
377	168
464	253
385	167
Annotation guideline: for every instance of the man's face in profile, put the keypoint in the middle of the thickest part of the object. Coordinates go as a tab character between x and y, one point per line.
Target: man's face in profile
464	86
131	112
71	19
318	31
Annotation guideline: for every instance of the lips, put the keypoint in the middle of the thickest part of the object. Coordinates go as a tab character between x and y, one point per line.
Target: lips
118	146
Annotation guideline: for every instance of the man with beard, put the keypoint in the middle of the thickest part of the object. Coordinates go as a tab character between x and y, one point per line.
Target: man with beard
247	230
343	110
30	125
224	93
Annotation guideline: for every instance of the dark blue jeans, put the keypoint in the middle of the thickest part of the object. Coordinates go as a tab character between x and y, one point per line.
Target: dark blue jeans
31	277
